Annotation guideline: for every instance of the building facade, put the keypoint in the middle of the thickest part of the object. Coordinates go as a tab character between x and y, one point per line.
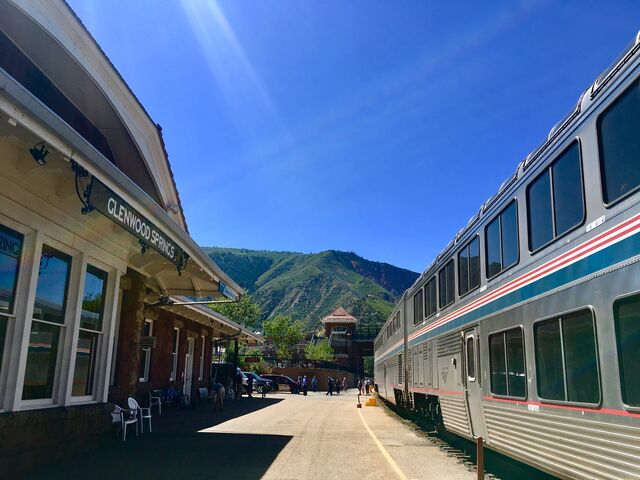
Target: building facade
95	255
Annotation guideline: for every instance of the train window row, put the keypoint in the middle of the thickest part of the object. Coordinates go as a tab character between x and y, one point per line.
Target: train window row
555	204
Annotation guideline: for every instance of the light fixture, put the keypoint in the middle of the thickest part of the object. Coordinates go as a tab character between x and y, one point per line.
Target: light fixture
39	152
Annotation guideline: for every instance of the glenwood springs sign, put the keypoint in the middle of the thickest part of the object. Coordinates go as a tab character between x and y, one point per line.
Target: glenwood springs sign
107	202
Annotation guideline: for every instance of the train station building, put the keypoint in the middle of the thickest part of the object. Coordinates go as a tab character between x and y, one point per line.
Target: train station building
96	261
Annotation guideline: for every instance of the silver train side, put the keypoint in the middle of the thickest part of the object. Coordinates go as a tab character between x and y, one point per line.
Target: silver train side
440	366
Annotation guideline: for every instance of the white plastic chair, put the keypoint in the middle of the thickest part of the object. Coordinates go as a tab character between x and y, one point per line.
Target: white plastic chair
144	413
127	417
156	400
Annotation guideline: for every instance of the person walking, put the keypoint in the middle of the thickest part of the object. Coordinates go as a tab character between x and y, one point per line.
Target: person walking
250	387
314	384
218	396
360	386
305	386
330	386
338	386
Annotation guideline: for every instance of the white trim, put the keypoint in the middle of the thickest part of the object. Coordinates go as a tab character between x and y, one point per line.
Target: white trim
147	354
175	351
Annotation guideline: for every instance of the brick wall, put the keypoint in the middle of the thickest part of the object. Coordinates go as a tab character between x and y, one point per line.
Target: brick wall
33	438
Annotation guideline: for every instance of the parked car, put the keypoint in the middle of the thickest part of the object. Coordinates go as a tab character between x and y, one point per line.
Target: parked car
281	380
258	381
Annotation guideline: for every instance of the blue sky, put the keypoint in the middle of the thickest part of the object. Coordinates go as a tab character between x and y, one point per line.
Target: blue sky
367	126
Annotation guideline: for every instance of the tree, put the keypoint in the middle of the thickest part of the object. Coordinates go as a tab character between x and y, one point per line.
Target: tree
320	350
284	333
244	311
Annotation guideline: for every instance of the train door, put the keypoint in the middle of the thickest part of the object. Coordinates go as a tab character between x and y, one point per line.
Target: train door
473	389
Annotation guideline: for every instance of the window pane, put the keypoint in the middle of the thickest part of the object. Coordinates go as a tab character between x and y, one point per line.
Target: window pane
417	308
463	271
497	364
451	281
627	318
51	293
567	190
95	284
442	294
515	363
580	357
474	264
509	236
493	248
539	209
549	360
41	361
85	362
430	297
620	146
10	251
471	359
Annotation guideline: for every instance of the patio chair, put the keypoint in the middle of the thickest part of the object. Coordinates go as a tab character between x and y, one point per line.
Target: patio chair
155	400
127	417
143	413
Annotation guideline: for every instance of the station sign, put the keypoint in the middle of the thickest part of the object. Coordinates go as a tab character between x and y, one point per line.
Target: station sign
111	205
147	342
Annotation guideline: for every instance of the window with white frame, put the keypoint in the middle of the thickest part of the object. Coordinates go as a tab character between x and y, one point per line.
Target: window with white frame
91	319
10	253
174	354
145	353
48	321
201	375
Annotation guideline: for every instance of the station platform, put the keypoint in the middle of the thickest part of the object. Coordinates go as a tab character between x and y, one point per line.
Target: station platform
283	436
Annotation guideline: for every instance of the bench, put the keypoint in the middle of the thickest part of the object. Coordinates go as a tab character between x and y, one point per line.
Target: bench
205	394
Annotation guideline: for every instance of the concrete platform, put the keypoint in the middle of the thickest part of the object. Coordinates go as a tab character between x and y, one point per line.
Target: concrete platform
281	437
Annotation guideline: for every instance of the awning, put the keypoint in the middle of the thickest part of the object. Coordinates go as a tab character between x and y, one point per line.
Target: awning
222	326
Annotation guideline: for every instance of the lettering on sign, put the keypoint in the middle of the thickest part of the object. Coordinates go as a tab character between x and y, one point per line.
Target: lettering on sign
107	202
9	246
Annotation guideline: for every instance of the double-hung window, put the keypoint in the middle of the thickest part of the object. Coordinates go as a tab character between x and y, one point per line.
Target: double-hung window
10	253
555	202
446	281
48	320
417	308
502	241
174	353
201	373
567	358
91	320
145	352
469	267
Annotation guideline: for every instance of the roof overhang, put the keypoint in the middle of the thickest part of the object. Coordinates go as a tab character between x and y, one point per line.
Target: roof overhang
223	327
200	277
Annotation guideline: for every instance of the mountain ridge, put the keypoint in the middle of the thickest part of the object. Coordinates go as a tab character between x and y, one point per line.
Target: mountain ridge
307	286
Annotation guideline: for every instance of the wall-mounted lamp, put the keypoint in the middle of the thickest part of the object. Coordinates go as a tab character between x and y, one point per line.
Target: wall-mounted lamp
39	152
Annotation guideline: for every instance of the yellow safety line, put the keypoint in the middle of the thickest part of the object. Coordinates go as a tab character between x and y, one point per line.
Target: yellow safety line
383	450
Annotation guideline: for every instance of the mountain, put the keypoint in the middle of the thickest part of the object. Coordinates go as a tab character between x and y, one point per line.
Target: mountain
308	286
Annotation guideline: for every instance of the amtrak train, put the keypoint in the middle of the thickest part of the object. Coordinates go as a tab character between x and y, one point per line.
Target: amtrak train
525	330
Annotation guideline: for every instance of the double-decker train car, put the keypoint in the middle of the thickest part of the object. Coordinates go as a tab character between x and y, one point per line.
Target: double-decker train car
525	330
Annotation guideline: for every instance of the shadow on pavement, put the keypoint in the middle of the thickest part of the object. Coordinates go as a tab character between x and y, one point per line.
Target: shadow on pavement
175	449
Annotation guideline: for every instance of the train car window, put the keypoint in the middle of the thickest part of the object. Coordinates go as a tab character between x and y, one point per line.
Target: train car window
502	249
430	306
626	313
417	308
555	202
566	358
506	363
469	267
446	281
620	146
471	360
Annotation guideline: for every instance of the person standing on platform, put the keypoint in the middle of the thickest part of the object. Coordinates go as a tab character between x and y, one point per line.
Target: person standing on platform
314	384
250	387
305	386
330	386
338	386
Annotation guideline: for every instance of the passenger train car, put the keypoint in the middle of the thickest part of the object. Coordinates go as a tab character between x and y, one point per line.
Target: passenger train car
525	330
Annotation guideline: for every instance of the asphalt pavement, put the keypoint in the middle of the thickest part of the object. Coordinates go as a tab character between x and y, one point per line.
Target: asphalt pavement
281	437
